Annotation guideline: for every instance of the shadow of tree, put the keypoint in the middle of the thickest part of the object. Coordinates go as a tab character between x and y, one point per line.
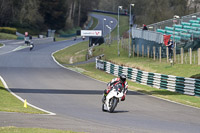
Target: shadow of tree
197	76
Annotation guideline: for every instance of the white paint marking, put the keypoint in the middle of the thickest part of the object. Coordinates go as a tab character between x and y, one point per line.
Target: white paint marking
18	97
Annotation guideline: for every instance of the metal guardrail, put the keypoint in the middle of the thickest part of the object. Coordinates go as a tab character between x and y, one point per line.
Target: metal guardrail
182	85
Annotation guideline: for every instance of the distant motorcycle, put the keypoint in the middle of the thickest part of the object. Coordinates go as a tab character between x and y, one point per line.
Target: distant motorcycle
113	98
31	46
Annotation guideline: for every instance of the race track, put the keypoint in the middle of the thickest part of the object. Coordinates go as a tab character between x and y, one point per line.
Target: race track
76	99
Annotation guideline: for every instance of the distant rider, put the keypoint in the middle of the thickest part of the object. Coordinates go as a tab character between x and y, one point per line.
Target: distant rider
120	80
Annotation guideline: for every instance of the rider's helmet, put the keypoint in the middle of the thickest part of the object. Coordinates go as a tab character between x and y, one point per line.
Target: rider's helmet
122	77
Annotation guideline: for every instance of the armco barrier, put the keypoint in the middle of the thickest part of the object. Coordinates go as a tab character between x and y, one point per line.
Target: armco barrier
182	85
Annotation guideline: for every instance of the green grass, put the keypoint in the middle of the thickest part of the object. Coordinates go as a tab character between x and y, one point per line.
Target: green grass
146	64
78	53
1	45
95	22
7	36
31	130
9	103
63	38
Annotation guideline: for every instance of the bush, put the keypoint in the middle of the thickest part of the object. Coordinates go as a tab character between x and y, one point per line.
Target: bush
8	30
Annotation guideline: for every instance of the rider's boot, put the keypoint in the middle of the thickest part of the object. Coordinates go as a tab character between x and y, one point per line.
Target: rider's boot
104	96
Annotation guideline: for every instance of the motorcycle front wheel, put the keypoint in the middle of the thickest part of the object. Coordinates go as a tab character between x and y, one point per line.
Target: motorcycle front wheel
103	108
113	104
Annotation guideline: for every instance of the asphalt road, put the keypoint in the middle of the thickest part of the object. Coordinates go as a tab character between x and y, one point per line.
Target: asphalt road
76	99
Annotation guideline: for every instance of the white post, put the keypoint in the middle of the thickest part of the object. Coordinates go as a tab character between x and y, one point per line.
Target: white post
119	7
130	30
104	26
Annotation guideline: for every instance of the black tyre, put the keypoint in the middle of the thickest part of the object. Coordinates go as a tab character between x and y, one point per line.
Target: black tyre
113	103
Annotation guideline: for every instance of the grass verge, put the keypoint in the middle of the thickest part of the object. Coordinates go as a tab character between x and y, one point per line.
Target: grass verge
31	130
145	64
72	54
63	38
95	22
7	36
9	103
1	45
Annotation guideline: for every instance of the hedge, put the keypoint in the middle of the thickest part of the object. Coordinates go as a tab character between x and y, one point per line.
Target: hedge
8	30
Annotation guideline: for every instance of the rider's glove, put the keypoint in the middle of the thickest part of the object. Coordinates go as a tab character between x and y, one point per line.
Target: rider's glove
123	98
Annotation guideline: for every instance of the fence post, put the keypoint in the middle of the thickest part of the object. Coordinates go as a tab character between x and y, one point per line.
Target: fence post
167	52
181	55
143	50
174	51
122	43
160	53
148	51
138	50
154	53
198	56
133	50
190	56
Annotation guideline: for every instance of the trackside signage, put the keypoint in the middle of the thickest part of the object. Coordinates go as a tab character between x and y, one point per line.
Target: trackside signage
91	33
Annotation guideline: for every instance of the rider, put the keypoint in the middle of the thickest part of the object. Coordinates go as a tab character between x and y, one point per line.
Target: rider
120	80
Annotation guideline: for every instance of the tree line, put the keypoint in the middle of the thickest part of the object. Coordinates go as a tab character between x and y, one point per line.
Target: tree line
44	14
151	11
67	14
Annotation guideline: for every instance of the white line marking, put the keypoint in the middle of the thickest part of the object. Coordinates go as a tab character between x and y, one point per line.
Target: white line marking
19	48
6	41
18	97
21	42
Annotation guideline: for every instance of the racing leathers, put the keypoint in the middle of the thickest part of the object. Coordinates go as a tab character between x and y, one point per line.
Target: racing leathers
114	82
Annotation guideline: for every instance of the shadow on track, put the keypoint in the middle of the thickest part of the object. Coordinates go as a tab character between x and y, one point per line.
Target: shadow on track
62	91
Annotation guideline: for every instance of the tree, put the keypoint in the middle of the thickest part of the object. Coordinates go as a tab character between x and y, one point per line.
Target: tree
54	13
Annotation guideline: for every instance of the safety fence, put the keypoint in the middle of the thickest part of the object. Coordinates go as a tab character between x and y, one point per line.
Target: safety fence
182	85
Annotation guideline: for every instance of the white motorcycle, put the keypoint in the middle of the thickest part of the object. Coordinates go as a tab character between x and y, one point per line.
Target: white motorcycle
113	98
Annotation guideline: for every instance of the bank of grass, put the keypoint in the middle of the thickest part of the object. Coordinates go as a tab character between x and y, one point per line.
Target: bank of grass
31	130
94	24
9	103
1	44
144	63
7	36
72	54
63	38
